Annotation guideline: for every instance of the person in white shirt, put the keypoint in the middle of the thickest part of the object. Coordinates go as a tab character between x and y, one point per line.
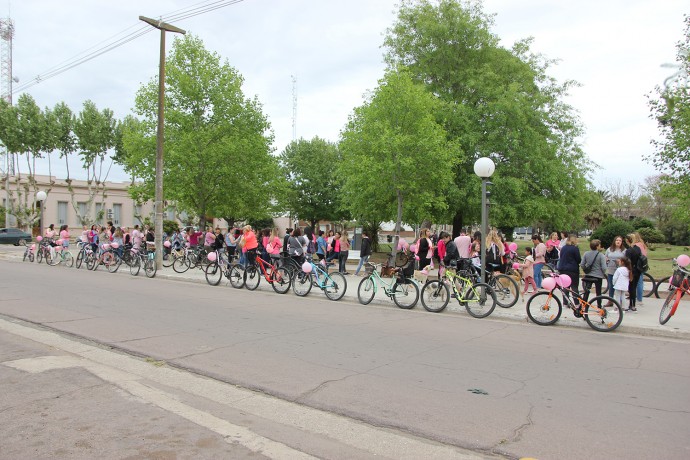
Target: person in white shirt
463	243
621	279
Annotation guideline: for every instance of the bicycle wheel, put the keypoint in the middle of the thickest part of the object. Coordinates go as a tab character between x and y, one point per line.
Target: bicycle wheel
213	274
669	306
68	259
366	290
507	290
252	278
435	296
53	261
180	265
135	266
405	293
335	286
401	259
39	256
280	280
113	263
169	259
663	287
26	254
31	257
649	286
605	318
480	300
544	308
237	276
150	267
301	283
80	258
91	261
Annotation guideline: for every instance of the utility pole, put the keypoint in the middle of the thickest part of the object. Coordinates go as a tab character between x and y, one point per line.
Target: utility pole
158	203
6	79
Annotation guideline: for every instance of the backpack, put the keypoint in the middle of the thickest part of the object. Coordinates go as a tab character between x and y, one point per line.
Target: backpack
642	264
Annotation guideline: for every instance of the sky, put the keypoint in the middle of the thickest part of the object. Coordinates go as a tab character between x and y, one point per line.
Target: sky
614	48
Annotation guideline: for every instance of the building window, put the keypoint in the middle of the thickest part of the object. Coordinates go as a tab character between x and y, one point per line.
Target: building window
117	214
62	212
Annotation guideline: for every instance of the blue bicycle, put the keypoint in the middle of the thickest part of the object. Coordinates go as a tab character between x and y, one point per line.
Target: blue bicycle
333	284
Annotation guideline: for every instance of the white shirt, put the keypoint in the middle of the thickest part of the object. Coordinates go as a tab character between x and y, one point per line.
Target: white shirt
621	279
463	243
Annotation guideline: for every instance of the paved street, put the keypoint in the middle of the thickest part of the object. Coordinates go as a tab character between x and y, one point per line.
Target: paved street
443	383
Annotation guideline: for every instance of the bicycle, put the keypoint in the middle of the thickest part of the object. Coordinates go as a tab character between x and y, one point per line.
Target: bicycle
401	289
29	252
333	285
250	277
479	299
45	251
143	257
678	287
62	256
602	313
219	267
505	287
107	257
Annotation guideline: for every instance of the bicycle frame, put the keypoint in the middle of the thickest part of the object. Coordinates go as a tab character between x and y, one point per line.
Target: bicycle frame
320	275
387	286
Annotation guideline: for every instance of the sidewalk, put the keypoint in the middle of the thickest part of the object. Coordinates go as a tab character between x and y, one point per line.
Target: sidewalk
644	322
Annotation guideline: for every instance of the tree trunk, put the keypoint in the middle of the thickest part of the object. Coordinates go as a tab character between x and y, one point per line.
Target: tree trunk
457	223
398	224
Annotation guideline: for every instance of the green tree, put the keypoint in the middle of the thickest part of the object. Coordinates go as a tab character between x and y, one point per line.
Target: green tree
499	103
670	107
26	133
396	163
312	188
217	142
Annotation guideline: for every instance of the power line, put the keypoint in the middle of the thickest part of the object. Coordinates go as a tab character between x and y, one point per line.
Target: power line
113	42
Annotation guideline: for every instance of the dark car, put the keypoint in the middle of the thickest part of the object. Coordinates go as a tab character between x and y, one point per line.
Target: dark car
14	236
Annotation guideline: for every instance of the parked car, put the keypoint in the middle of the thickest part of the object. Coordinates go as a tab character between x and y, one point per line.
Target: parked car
14	236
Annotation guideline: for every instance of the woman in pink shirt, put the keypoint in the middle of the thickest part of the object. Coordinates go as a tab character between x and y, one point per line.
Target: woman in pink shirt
64	236
250	244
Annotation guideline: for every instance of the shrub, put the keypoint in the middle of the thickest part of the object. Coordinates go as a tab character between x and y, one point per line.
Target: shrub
607	232
640	222
170	226
676	232
651	235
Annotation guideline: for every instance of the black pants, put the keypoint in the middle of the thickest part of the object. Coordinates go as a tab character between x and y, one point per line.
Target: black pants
632	288
574	283
587	285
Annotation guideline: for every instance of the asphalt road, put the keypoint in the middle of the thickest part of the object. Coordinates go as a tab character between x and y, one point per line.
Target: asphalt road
456	383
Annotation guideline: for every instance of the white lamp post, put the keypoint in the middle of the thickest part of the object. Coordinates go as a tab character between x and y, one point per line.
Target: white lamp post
484	167
41	197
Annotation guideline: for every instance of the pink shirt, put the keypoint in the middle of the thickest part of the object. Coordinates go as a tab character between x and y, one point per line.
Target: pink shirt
464	244
277	245
137	236
539	252
64	235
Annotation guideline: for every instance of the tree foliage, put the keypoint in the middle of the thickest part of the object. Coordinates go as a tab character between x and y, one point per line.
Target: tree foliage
217	141
396	163
610	229
499	103
312	188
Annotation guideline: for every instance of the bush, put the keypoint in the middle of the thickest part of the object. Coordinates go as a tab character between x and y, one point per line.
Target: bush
676	232
640	222
170	226
651	235
612	228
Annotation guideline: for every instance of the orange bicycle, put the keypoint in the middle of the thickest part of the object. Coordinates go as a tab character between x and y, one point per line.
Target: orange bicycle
678	286
278	277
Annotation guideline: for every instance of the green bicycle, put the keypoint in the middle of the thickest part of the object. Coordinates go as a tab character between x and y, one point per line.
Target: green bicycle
401	289
479	299
333	284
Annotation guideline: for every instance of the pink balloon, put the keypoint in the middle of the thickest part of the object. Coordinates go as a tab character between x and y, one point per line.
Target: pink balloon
683	260
114	245
166	244
59	242
39	238
548	283
306	267
512	247
403	244
33	246
564	281
58	248
211	256
413	247
516	266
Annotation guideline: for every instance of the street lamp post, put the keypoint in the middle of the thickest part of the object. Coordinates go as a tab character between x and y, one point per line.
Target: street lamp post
484	167
40	197
158	201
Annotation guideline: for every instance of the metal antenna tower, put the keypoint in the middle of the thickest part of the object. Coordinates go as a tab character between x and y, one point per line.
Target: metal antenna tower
294	107
6	34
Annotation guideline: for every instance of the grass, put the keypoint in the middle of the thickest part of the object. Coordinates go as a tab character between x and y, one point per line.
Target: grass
660	255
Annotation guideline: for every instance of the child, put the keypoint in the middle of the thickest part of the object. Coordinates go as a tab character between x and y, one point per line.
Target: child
621	281
528	271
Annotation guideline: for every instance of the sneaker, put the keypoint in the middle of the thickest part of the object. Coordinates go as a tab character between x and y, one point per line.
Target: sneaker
639	304
632	309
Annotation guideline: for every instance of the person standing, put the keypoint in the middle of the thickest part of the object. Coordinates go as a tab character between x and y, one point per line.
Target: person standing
463	244
64	236
364	252
296	246
613	253
539	253
250	244
553	249
593	264
321	246
633	253
569	263
639	242
344	253
274	247
425	249
621	280
528	272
